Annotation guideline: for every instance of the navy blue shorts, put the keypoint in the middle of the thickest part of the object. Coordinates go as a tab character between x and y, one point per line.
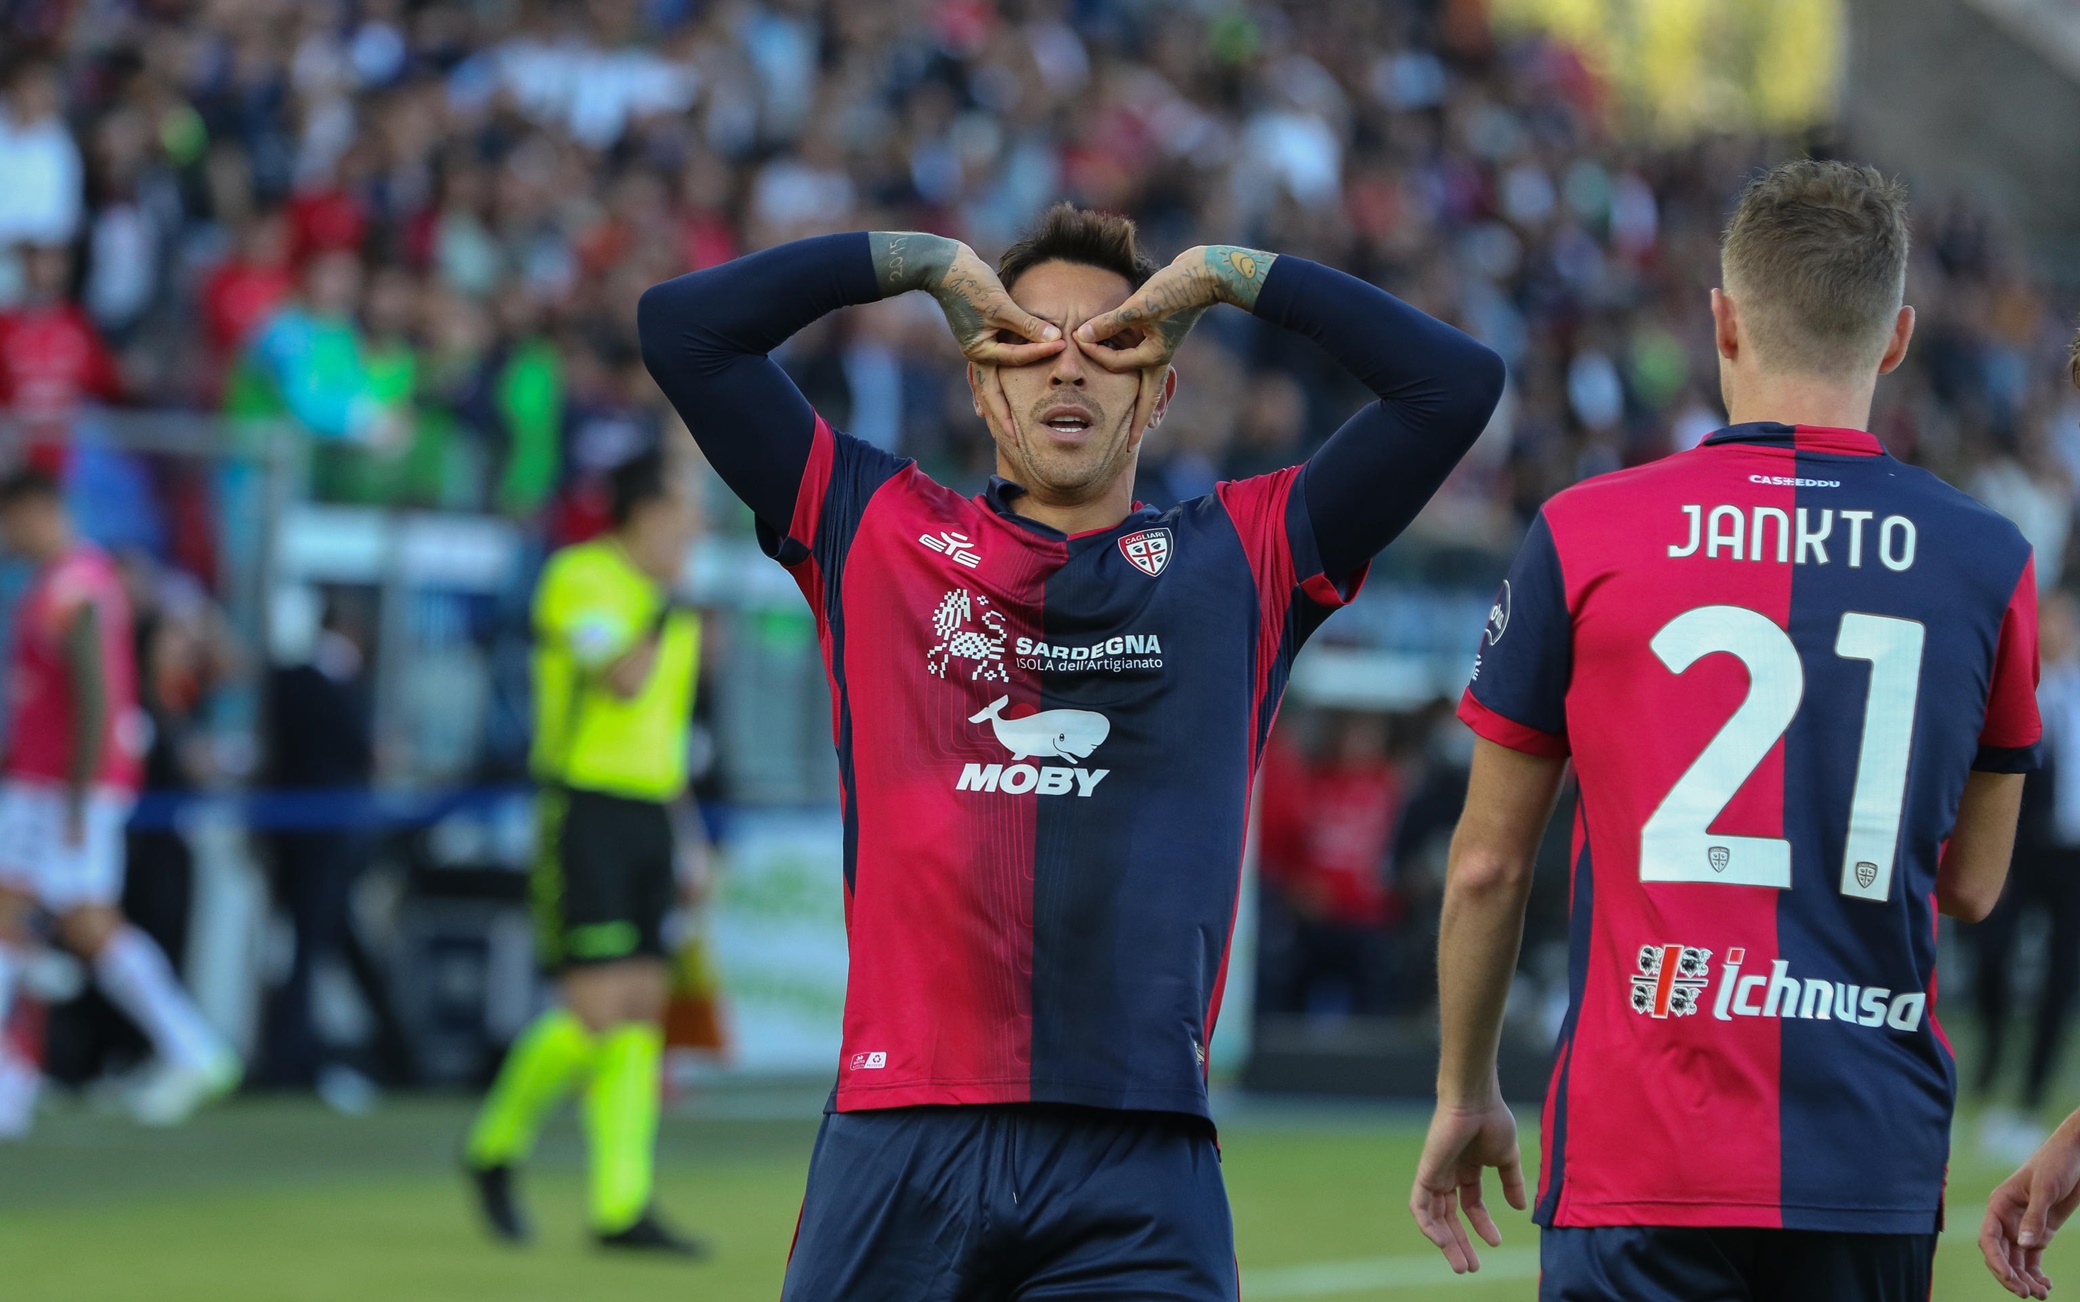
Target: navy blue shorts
1662	1264
1026	1202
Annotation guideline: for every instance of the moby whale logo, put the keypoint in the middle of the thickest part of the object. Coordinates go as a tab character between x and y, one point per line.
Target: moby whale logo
1050	734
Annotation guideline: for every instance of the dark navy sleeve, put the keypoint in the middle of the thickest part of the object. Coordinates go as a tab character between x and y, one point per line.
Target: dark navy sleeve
705	337
1436	389
2008	743
1518	696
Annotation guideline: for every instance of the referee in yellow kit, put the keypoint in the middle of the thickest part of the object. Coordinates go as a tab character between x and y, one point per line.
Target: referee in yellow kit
614	668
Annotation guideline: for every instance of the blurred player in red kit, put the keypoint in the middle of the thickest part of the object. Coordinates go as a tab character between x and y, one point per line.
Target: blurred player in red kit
70	777
1797	681
1325	830
52	358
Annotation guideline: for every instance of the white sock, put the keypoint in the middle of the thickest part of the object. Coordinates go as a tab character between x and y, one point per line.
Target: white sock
20	1082
133	972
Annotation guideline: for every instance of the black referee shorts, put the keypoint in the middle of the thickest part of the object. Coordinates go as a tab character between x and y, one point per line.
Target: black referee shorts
603	879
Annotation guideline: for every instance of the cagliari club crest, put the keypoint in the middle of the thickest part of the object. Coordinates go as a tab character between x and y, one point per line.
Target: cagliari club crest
1148	550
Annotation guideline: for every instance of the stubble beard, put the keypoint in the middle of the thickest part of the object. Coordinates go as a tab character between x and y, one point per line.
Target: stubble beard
1067	476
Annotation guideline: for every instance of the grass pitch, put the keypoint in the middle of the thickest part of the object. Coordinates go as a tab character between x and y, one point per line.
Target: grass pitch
279	1201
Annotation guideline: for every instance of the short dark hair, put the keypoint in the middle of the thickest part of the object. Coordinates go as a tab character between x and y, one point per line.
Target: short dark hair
635	481
1816	258
29	484
1066	233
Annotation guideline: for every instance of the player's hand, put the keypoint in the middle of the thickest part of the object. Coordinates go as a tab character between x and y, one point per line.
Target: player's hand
2028	1208
991	404
988	326
1462	1142
1146	331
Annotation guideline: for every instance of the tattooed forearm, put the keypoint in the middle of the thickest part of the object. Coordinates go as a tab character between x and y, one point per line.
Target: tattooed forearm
962	297
1238	273
907	260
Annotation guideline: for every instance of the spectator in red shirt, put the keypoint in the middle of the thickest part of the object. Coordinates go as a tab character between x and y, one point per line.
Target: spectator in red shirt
52	357
246	288
329	214
1326	829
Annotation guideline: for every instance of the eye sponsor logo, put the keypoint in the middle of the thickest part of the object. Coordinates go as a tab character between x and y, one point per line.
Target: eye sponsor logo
1051	734
1673	980
971	636
954	546
1147	551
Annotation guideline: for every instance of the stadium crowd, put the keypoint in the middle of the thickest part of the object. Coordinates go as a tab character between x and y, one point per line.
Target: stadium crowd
421	228
418	230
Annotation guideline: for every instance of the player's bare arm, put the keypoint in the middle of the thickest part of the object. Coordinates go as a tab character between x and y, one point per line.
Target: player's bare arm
1509	797
2027	1210
1975	864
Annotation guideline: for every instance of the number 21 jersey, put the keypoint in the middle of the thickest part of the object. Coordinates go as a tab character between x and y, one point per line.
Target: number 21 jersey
1774	659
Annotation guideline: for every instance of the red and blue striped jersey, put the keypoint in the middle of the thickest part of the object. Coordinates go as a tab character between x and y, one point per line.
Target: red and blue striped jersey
1045	747
1774	660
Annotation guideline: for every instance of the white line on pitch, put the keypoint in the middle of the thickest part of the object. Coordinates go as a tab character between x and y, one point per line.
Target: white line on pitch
1336	1278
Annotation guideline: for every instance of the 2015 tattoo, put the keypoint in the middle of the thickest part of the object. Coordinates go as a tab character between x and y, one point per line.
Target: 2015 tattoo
907	260
943	268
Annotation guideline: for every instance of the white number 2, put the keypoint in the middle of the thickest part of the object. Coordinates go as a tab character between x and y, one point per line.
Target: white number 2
1677	845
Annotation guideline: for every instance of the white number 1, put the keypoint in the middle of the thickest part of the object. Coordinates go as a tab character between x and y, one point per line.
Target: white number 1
1677	845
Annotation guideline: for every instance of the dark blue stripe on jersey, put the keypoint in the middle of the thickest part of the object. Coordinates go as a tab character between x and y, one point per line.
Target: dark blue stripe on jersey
1868	1107
1436	389
1134	887
1580	918
2007	759
1534	694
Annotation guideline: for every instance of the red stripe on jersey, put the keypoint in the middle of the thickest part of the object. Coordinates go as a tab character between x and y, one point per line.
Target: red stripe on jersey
808	517
2012	720
1657	1101
942	889
1508	732
816	486
1258	508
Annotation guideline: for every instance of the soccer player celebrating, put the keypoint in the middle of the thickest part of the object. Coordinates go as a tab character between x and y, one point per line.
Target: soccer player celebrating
1797	682
1048	703
614	667
66	788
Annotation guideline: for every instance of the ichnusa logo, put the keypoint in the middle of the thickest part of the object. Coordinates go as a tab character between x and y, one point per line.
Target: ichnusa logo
1050	734
1671	982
